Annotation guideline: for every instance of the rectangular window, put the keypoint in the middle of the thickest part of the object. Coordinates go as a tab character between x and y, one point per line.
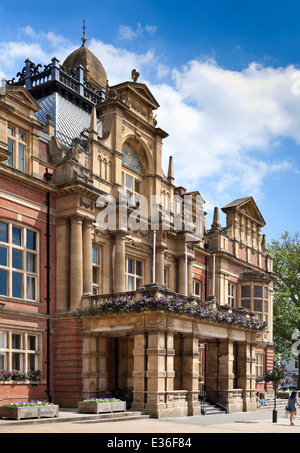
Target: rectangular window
18	262
96	270
134	274
133	188
16	144
23	354
231	294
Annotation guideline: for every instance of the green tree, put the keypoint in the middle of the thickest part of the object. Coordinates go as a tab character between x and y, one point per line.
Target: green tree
286	308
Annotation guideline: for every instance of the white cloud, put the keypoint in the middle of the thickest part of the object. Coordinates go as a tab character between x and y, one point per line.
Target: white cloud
225	125
127	32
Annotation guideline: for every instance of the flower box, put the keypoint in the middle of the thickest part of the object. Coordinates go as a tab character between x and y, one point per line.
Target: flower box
98	406
38	411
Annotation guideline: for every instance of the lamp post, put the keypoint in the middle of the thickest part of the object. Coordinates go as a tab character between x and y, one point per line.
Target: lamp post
274	410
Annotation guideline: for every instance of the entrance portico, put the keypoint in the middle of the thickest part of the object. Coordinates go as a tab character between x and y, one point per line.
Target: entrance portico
153	357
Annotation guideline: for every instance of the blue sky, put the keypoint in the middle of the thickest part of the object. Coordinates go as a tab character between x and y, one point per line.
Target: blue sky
226	75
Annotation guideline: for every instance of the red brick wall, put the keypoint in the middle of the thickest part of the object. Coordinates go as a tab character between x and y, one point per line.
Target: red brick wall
67	362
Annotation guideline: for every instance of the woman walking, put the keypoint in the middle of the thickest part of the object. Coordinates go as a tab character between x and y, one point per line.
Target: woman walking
292	405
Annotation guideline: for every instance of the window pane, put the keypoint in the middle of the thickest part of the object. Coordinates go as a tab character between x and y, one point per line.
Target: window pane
246	304
130	285
32	343
17	363
2	361
31	288
3	232
16	236
245	291
129	198
130	266
10	147
95	275
31	240
10	131
139	268
257	291
3	282
22	136
32	362
16	341
129	182
17	285
95	256
137	186
265	292
3	256
266	306
16	259
139	282
21	163
257	305
30	262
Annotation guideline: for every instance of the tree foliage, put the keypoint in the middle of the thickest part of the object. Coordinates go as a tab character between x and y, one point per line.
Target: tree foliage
286	308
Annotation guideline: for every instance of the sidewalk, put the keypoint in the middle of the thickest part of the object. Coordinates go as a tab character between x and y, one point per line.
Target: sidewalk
70	421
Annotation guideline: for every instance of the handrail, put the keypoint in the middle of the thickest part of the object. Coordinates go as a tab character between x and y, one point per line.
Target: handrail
213	396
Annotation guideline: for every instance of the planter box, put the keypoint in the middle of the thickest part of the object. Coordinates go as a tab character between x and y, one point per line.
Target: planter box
17	413
98	408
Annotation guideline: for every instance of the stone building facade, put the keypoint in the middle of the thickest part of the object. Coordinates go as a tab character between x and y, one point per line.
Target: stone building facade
102	288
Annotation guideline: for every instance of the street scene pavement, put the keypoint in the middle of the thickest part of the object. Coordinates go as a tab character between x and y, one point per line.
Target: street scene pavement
70	421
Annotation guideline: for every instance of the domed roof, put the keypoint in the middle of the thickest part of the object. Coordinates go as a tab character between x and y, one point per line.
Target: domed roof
93	68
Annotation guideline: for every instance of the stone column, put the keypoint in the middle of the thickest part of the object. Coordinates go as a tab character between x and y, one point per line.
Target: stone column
170	356
120	264
63	264
190	375
226	359
89	365
212	365
246	374
160	264
156	373
102	364
181	275
190	275
76	265
87	256
139	370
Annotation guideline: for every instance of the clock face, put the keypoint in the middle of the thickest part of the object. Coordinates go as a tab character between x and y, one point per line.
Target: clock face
131	159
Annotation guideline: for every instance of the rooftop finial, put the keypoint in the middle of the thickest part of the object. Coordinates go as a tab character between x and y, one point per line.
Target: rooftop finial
83	39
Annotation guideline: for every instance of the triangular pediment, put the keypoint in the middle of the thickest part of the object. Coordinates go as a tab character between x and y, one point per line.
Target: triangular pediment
22	95
140	91
248	207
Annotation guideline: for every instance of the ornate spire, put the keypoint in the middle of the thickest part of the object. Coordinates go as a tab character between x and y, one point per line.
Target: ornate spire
83	39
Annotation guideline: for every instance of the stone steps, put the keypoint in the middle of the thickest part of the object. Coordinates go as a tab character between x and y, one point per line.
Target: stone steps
211	409
115	417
